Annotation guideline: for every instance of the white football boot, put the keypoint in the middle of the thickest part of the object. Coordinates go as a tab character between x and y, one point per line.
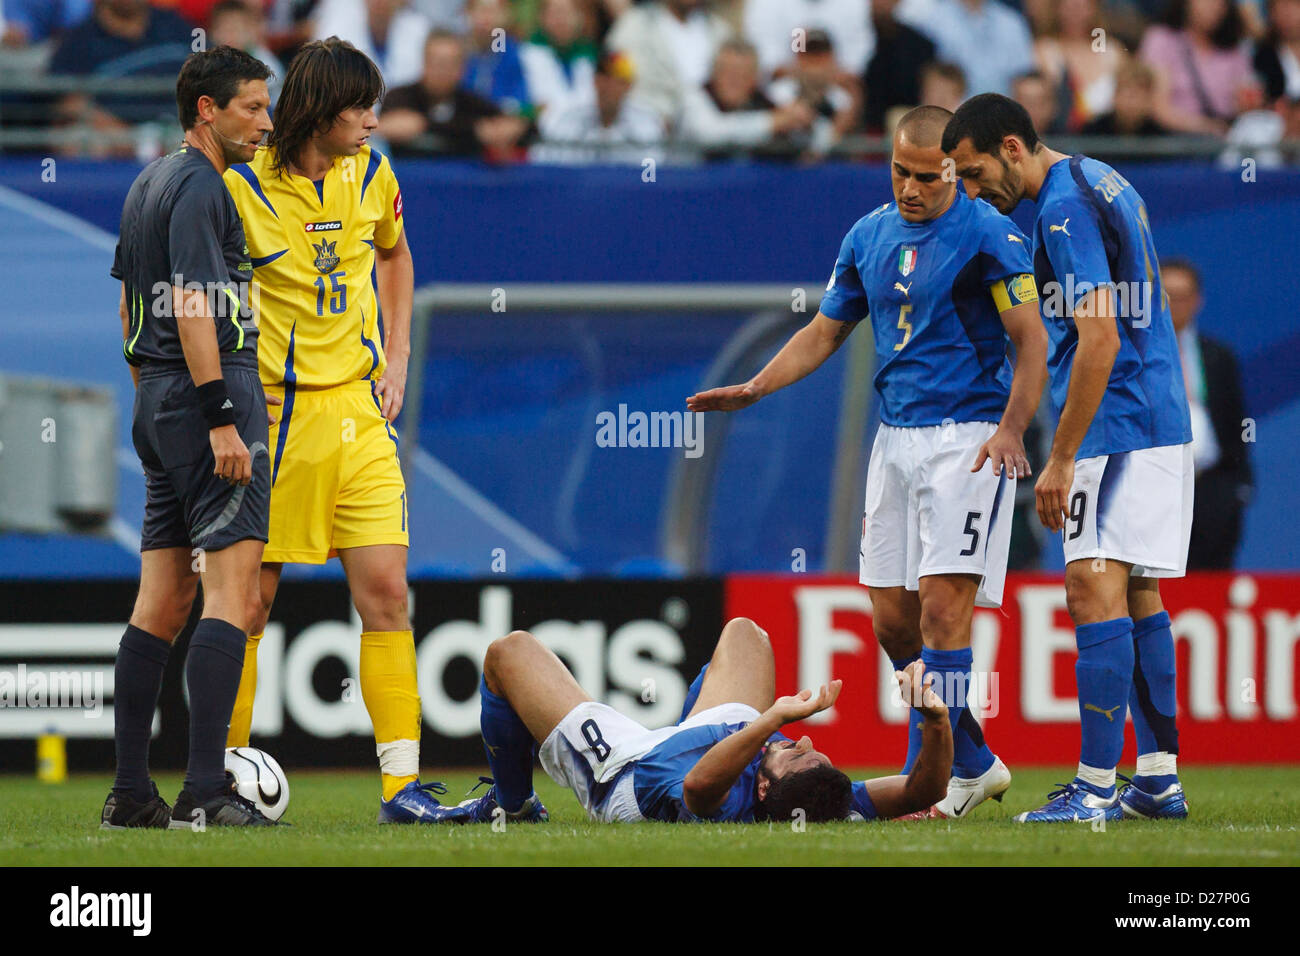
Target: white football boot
967	793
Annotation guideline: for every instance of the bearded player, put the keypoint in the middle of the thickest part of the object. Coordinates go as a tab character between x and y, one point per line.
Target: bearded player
724	761
322	211
945	282
1118	481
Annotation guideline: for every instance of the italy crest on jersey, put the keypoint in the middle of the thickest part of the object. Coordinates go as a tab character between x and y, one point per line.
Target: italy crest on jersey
326	260
907	260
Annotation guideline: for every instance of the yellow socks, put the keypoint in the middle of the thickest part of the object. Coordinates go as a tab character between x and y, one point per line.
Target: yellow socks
389	691
241	718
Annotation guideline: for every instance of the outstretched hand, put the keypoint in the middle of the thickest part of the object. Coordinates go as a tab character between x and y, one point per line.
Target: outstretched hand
804	704
728	398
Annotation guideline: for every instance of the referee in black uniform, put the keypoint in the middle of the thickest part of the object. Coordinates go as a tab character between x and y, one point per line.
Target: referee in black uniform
200	429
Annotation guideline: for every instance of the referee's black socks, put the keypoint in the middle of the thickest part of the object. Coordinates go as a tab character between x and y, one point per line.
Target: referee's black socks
137	678
212	672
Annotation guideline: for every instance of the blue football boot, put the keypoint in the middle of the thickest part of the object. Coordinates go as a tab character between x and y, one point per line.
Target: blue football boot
1074	802
415	803
483	809
1169	804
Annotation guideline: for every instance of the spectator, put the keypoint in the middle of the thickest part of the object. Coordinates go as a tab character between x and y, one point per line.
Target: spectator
1260	134
560	59
242	24
387	31
1037	95
288	25
615	127
1079	62
771	24
197	12
816	82
1131	113
942	84
121	38
495	69
1254	17
731	110
462	122
1277	56
893	76
672	44
448	14
28	22
1223	476
1203	72
986	38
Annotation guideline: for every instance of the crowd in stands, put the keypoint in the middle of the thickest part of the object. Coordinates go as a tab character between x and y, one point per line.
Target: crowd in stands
579	80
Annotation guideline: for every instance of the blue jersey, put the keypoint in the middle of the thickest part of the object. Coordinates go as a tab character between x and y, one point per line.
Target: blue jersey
934	292
658	778
660	775
1092	230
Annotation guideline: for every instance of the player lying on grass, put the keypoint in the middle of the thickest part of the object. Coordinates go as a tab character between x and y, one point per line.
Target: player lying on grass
725	761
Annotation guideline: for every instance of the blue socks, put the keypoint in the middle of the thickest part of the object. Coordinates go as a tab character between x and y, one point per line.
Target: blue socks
693	693
1104	673
1152	698
213	668
914	719
952	682
509	748
137	678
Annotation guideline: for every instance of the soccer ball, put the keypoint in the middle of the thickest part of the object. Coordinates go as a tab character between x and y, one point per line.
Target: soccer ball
259	779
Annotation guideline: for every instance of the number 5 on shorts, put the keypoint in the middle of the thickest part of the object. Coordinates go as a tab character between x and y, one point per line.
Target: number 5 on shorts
971	518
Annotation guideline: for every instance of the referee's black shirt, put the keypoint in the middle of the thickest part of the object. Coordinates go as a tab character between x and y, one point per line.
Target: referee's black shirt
180	227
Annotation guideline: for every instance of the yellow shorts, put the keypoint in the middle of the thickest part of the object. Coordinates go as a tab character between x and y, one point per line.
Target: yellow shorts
335	478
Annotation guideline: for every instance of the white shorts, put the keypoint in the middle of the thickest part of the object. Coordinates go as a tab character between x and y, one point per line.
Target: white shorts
926	513
1135	506
594	749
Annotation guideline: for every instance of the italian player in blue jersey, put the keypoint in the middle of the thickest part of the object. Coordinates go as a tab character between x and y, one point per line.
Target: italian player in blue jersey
724	761
1118	482
946	283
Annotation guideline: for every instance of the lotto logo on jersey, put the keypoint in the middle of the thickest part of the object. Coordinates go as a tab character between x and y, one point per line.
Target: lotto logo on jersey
907	260
397	205
323	226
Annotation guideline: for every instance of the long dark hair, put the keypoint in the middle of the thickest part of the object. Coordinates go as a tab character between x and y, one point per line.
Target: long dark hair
1226	35
324	79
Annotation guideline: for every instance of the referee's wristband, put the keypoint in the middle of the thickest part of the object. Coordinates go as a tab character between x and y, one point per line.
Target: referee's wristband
215	403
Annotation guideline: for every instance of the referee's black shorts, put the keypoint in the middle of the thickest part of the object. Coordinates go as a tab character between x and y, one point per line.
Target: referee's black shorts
186	505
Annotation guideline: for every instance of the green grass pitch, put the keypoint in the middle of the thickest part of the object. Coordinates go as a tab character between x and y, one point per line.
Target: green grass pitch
1240	817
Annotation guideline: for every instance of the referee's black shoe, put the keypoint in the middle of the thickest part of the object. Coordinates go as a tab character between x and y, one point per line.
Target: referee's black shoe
226	809
124	812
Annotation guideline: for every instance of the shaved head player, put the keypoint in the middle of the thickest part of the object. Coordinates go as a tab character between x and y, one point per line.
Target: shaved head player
946	284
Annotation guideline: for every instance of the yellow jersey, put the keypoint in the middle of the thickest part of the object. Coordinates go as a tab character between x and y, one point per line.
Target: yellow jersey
312	246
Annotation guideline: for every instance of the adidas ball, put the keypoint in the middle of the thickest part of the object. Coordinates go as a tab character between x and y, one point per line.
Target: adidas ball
259	779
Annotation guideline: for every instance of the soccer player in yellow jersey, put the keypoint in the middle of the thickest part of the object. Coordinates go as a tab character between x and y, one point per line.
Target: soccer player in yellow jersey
321	211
